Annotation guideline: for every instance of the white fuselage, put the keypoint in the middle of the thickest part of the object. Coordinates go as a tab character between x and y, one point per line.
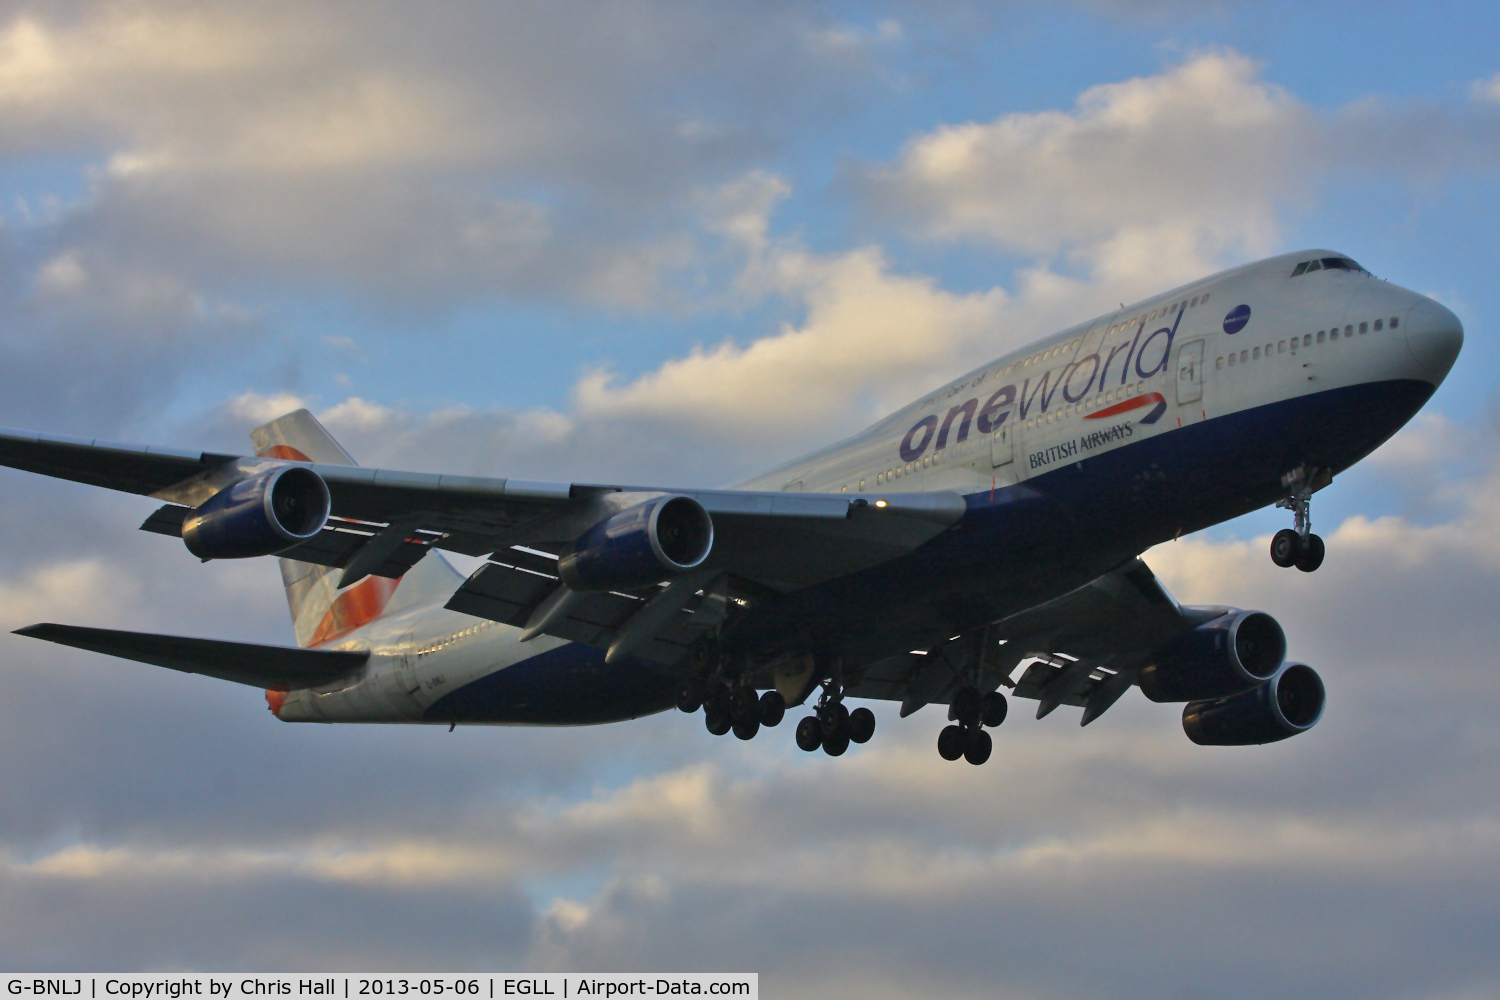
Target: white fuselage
1170	362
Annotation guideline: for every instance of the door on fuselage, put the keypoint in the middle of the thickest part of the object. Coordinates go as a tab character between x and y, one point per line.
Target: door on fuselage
1190	373
1003	444
406	674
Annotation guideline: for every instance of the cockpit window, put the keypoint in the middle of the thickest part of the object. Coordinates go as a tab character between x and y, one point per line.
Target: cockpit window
1326	264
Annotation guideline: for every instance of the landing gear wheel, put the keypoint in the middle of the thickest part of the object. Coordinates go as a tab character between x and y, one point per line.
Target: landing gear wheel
717	723
979	747
690	697
772	708
809	734
834	744
964	706
744	705
835	719
718	701
746	729
951	742
992	709
1286	546
1311	556
861	725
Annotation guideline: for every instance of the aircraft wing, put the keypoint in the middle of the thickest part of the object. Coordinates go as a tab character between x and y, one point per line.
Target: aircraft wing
1085	647
387	519
275	667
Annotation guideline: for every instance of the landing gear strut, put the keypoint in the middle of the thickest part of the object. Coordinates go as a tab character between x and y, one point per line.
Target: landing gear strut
1298	546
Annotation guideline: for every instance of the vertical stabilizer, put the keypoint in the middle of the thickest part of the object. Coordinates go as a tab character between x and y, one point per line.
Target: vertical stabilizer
320	611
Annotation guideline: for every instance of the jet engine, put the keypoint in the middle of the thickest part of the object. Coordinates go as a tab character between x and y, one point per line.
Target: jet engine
639	546
259	516
1229	654
1287	704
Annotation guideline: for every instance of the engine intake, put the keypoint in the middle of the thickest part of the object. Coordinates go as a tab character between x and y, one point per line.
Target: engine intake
1224	656
1287	704
259	516
639	546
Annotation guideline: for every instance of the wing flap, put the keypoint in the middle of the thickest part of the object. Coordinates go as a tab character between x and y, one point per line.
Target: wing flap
274	667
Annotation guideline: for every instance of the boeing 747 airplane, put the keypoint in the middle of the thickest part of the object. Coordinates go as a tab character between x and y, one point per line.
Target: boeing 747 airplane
982	541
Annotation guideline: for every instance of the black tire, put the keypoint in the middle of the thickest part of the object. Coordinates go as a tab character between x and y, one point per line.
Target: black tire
992	709
835	744
1286	545
717	723
835	719
809	734
746	729
744	705
861	725
979	747
1311	557
689	698
772	708
963	706
951	742
718	701
705	657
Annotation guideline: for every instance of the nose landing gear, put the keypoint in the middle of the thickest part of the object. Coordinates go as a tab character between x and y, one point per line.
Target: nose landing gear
1298	546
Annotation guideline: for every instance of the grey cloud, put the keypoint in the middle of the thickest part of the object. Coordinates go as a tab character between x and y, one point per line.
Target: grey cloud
536	149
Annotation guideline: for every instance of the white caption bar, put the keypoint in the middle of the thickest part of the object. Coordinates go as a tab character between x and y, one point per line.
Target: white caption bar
345	986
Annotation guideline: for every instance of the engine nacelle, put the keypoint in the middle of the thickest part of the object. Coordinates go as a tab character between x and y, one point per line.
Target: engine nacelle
1227	655
1287	704
259	516
639	546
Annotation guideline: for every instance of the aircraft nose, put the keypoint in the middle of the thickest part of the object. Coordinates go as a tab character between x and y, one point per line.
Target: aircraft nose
1434	336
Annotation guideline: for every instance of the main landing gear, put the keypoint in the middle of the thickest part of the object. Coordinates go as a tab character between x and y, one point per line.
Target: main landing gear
833	727
728	702
971	713
732	707
1298	546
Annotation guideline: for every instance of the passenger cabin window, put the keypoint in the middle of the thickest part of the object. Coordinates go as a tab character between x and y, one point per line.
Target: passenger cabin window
1395	322
1364	328
1379	325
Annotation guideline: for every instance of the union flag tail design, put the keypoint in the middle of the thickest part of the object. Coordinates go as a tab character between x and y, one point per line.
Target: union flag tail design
322	613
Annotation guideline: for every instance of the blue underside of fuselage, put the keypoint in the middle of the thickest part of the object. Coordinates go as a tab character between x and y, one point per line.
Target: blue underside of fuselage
1014	548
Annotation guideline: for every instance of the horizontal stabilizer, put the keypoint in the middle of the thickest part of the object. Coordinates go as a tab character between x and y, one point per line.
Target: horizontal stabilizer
279	667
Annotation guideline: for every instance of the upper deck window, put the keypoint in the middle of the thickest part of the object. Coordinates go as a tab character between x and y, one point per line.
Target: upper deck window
1326	264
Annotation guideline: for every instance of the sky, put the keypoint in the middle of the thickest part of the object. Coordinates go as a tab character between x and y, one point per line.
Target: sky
680	242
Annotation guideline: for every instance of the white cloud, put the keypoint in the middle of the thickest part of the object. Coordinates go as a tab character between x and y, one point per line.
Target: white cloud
1486	90
1185	166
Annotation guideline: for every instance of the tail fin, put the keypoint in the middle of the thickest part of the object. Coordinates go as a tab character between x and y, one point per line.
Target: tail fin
320	611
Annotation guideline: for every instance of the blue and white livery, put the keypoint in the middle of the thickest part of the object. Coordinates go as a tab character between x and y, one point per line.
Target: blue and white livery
982	542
